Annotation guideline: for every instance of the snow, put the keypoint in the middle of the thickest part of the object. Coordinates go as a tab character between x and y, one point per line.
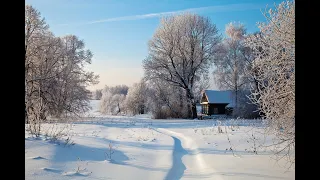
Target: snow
146	148
215	96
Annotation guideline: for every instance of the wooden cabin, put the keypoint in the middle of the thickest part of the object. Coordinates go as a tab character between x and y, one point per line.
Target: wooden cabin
216	102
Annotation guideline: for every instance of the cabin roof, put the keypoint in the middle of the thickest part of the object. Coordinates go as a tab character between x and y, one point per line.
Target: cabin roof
219	97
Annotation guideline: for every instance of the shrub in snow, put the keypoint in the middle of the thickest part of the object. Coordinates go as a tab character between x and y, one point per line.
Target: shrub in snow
136	99
109	152
112	103
59	133
166	101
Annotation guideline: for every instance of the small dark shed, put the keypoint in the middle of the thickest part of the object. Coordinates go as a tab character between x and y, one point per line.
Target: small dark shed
216	102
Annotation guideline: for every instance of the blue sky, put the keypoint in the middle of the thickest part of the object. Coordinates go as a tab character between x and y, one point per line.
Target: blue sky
117	31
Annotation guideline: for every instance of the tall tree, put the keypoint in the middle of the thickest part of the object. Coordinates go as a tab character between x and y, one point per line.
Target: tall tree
35	28
55	79
180	51
69	85
231	60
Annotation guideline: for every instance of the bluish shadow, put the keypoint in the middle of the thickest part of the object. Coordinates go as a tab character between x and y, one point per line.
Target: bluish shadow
178	168
87	153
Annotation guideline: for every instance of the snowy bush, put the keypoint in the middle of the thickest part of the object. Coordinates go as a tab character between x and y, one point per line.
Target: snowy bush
112	100
165	101
136	99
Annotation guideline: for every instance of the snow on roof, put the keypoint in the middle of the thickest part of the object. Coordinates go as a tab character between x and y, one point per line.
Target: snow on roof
215	96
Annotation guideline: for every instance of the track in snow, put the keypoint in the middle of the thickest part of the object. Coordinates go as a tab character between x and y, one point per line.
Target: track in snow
193	164
178	168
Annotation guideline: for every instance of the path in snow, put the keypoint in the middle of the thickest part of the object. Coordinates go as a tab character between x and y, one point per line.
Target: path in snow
187	158
177	169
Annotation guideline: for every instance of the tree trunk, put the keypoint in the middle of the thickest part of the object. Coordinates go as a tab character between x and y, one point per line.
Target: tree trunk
25	87
181	100
192	109
236	105
26	115
189	110
119	110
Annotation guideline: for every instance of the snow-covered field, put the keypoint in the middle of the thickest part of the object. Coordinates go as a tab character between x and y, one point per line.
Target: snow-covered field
144	148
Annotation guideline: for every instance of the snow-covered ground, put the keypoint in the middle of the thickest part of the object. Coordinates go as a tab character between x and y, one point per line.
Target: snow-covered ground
144	148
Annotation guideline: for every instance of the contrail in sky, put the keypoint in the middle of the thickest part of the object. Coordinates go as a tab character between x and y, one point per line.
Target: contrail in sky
223	8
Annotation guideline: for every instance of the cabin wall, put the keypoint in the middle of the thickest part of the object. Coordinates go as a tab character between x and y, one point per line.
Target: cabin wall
217	109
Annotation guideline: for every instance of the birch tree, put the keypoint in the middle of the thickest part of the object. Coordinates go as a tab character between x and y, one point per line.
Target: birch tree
274	68
231	61
180	51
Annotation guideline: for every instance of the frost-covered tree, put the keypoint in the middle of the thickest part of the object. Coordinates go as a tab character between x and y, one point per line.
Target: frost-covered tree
136	98
180	51
97	94
119	89
106	102
113	99
274	69
55	79
68	92
35	28
231	61
118	103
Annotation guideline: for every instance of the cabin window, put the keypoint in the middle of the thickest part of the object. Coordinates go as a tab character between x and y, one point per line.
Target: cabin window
205	109
215	111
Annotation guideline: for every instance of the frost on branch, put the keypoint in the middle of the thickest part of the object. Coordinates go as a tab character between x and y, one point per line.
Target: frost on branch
274	70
